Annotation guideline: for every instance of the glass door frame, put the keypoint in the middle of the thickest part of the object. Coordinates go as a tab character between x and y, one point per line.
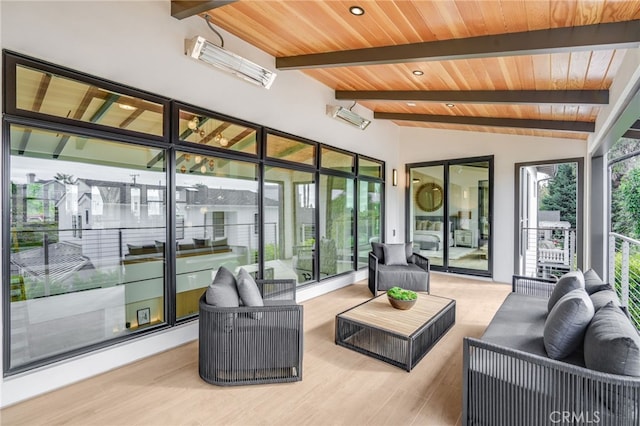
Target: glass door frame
517	232
446	164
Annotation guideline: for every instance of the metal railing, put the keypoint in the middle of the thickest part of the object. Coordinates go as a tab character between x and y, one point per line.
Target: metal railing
548	251
624	272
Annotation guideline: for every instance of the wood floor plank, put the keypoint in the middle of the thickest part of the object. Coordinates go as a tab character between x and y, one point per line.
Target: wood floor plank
339	386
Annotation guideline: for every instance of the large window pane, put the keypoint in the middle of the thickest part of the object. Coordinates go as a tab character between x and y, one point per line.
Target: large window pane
369	219
291	150
337	160
85	263
216	207
370	168
428	227
51	94
289	224
469	215
213	132
336	225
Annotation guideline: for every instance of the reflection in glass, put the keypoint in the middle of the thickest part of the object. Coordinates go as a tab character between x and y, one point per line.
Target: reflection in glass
369	168
291	150
215	215
428	230
204	130
84	230
51	94
336	225
289	224
369	218
336	160
468	212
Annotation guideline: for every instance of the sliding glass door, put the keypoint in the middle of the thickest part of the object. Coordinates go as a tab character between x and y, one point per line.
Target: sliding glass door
449	214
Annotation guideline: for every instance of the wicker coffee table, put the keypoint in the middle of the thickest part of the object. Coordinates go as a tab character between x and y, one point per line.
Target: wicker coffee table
400	338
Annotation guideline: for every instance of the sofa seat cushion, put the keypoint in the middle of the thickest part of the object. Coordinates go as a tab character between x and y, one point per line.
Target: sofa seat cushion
409	277
519	324
568	282
566	324
611	343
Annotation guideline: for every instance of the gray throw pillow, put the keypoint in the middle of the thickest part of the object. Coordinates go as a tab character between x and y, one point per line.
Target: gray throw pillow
223	292
249	292
611	343
378	251
568	282
395	254
593	283
602	298
409	250
566	324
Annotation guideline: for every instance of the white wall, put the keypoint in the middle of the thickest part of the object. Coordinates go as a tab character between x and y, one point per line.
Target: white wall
141	45
420	144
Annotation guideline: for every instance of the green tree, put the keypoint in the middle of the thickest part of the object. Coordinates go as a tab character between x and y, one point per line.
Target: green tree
630	200
561	194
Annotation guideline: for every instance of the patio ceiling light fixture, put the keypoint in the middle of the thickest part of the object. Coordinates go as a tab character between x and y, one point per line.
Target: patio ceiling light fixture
347	116
201	49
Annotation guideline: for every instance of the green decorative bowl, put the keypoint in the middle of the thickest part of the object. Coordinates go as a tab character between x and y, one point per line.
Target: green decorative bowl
401	304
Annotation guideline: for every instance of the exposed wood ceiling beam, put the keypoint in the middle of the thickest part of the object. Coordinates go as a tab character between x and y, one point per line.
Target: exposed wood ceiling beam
240	136
158	157
575	97
45	81
566	126
181	9
617	35
131	118
218	130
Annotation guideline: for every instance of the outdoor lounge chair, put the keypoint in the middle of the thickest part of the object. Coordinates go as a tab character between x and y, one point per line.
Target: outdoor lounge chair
253	344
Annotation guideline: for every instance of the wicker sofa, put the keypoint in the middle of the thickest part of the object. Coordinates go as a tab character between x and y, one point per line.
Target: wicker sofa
509	378
249	343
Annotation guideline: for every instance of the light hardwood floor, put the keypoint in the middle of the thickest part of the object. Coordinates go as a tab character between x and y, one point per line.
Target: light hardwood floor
338	387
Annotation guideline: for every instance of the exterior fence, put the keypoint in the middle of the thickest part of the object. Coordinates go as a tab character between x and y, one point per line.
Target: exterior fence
624	272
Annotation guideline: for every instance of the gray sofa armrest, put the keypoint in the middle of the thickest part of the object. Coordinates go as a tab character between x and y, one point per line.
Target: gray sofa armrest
506	386
373	273
533	286
284	289
421	261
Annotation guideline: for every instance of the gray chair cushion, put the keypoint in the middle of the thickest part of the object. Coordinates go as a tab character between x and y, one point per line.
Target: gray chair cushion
603	297
410	277
568	282
395	254
249	292
593	283
378	251
223	292
611	343
566	324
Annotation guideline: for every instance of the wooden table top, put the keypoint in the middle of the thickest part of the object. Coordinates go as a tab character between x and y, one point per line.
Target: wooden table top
379	313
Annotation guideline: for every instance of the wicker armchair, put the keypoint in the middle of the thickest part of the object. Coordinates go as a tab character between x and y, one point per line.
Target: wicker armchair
253	345
414	276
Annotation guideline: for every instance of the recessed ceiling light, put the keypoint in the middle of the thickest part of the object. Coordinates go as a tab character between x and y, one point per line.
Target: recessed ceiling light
127	107
450	105
417	72
356	10
411	104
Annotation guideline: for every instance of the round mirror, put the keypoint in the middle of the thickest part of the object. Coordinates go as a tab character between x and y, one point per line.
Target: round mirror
429	197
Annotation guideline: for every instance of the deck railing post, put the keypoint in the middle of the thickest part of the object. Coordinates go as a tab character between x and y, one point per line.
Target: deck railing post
625	274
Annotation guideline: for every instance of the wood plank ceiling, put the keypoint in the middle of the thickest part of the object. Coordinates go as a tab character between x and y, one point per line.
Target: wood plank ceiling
525	67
